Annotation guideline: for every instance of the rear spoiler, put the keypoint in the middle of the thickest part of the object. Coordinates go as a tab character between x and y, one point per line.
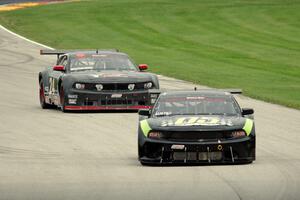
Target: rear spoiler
232	91
59	52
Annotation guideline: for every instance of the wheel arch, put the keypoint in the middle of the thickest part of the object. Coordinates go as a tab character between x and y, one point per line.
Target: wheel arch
40	77
155	81
59	84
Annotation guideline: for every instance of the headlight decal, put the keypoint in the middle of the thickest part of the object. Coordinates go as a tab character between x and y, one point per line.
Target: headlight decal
154	135
238	134
248	126
148	85
145	127
80	86
99	87
131	86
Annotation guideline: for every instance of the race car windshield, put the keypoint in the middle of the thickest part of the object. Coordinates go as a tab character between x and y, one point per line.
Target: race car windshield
195	105
98	62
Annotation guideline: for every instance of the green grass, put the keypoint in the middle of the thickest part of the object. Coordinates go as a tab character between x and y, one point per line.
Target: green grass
248	44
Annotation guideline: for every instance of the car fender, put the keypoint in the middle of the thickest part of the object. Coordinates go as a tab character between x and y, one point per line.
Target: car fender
66	81
44	75
155	81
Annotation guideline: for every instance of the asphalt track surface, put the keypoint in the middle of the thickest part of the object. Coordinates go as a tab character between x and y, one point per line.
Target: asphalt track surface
47	154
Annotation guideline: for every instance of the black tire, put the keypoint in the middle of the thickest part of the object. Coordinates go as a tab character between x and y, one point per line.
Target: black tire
43	103
62	99
144	164
140	152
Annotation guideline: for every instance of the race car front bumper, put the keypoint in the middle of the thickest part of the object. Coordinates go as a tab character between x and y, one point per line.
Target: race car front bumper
90	100
231	151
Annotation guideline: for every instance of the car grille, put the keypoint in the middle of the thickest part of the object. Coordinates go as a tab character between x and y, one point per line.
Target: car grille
115	86
196	135
108	100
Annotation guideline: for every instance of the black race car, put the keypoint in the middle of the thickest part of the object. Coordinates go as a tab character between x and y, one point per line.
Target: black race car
196	127
96	80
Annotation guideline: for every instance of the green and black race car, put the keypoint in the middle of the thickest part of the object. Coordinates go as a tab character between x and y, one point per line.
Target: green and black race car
196	127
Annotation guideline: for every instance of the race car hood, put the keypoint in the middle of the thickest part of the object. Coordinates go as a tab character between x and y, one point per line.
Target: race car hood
197	123
112	77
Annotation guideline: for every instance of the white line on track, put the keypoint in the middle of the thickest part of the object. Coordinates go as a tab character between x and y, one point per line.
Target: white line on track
24	38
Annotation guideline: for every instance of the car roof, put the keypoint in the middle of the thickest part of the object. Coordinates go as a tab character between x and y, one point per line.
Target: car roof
204	92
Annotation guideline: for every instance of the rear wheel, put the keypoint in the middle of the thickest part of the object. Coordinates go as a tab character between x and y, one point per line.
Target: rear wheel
43	103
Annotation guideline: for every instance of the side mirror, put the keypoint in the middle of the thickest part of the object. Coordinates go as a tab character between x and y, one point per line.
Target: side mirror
59	68
144	112
247	111
143	67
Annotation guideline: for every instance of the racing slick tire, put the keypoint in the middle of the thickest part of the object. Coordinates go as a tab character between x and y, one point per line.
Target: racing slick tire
43	103
62	99
140	155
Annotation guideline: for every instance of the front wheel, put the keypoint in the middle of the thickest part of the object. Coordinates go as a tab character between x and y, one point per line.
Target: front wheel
43	103
62	99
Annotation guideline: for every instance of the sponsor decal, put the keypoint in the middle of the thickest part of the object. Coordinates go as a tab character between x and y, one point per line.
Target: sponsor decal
105	75
72	101
153	101
116	95
73	96
99	55
195	98
177	147
163	113
197	121
154	95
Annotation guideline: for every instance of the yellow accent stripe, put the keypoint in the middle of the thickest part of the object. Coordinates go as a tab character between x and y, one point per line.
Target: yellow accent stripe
145	127
248	126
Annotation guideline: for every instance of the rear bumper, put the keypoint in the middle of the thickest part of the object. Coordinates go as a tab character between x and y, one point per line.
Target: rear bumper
83	100
225	152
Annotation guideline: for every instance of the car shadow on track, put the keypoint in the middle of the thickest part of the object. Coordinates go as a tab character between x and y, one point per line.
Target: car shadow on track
135	162
100	111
